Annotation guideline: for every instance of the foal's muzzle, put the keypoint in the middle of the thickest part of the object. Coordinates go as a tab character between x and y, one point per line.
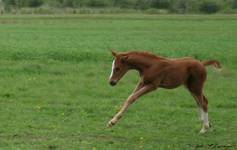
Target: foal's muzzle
112	83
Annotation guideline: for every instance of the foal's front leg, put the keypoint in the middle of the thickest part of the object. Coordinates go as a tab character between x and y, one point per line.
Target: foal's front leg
139	86
132	98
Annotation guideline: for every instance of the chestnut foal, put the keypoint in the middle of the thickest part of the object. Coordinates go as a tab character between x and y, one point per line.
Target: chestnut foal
156	71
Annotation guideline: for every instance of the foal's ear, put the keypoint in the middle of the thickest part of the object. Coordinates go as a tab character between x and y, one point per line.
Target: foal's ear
113	53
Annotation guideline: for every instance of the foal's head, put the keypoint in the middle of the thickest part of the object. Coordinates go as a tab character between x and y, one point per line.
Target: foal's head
119	68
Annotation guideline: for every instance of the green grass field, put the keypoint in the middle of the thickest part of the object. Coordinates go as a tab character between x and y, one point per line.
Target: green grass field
54	91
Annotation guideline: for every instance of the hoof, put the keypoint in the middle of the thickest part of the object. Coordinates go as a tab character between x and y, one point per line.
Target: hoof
203	131
110	124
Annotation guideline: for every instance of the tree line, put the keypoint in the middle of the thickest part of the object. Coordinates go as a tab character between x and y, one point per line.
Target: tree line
172	6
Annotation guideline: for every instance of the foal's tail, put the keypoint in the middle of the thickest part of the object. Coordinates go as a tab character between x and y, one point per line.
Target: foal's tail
214	63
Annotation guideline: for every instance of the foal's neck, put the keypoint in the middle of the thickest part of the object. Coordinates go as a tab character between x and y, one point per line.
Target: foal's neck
143	62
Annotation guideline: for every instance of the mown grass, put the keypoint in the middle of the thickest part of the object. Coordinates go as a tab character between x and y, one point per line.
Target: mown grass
54	92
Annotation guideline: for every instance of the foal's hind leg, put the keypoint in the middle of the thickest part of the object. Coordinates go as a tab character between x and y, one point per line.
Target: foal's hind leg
204	112
200	111
195	86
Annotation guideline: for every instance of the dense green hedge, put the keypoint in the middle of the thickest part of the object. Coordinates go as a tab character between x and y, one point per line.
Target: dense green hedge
209	7
172	6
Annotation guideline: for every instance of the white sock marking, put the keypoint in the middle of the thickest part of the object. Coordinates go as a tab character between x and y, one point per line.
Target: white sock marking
201	113
205	125
205	119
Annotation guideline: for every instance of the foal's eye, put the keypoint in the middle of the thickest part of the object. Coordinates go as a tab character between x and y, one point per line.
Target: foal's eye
117	69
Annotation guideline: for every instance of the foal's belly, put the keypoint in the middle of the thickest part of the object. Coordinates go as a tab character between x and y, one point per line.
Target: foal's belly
173	79
168	85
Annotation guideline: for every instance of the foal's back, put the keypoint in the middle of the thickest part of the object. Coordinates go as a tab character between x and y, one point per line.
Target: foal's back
180	70
187	62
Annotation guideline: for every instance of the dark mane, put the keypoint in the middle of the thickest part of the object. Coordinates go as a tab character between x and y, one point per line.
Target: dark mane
145	54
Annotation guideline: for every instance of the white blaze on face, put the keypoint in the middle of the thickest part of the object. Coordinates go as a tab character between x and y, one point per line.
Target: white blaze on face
112	71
